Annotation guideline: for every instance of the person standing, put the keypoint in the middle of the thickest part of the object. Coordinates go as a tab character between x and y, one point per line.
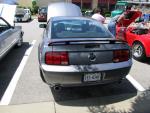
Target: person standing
97	15
113	22
112	25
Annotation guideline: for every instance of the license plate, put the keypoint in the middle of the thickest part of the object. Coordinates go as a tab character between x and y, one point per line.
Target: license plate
89	77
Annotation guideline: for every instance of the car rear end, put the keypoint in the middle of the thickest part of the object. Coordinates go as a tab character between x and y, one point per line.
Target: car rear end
21	15
42	14
42	17
77	61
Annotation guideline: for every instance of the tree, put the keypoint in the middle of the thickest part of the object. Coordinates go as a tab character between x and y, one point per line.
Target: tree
34	7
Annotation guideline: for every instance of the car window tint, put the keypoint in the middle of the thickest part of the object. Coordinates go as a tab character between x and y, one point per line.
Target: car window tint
3	26
79	29
43	10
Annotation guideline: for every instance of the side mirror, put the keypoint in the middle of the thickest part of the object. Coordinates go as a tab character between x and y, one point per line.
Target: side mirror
42	25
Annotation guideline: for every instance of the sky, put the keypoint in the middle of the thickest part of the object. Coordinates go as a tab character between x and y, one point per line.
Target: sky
8	1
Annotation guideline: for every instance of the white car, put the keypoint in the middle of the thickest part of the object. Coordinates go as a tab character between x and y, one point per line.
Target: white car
22	15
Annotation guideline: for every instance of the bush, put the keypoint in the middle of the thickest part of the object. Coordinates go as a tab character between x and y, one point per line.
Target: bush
35	8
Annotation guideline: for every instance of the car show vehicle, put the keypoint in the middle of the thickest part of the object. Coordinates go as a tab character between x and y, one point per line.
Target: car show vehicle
22	15
139	40
79	51
10	35
119	8
136	34
42	14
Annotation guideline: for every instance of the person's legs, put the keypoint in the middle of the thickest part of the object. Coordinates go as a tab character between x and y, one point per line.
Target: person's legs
112	28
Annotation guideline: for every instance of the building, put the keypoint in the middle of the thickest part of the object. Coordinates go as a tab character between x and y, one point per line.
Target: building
28	3
46	2
84	4
90	4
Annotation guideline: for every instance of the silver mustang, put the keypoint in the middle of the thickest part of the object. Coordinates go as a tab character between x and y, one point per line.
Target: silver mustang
79	51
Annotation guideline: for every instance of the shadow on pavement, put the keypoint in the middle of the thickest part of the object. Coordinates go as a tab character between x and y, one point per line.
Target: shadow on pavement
87	96
138	105
145	61
9	65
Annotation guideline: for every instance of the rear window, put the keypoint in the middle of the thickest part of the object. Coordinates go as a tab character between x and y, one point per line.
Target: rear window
43	10
77	28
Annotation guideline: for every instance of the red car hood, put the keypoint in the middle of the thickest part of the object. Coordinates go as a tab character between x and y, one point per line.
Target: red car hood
130	17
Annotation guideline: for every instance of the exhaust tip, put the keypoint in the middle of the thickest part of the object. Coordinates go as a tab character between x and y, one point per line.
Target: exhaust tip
57	88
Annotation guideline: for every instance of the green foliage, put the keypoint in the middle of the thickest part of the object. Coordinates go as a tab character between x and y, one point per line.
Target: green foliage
19	6
34	8
34	3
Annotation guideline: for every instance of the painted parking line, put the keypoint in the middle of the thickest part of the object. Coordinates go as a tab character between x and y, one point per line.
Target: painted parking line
12	85
138	86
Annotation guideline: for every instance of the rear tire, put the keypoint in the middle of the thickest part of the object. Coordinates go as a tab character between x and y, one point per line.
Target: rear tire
20	41
56	88
138	51
41	74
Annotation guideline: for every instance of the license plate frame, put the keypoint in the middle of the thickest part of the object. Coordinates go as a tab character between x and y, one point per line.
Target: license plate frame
93	77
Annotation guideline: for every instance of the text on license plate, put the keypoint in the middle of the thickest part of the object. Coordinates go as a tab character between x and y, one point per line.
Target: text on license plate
88	77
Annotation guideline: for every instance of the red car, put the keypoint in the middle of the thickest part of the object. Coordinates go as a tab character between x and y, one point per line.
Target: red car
42	14
137	37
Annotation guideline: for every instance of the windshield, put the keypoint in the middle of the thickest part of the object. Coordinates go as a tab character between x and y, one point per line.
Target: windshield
20	11
78	28
120	7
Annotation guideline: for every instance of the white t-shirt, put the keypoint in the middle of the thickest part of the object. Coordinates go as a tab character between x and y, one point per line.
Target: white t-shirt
98	17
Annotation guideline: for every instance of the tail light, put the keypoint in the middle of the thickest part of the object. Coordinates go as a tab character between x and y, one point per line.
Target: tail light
56	58
121	55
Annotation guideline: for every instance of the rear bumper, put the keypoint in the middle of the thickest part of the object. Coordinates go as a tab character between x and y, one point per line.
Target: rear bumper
40	19
21	19
73	75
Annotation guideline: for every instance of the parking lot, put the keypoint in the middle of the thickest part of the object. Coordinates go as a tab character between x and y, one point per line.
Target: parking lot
21	86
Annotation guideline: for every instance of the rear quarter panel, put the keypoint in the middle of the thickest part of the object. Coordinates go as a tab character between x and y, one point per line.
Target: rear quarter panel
131	38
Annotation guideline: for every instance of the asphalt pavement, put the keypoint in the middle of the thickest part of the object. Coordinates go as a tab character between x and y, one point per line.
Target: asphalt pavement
29	94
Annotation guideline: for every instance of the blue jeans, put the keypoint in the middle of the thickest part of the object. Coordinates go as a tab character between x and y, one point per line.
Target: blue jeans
112	28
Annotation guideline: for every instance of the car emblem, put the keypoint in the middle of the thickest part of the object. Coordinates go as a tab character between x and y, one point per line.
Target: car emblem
92	57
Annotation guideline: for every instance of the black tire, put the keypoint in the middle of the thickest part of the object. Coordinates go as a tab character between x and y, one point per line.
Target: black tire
41	74
138	51
30	18
20	41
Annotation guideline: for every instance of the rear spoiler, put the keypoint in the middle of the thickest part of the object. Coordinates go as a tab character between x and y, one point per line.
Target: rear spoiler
92	41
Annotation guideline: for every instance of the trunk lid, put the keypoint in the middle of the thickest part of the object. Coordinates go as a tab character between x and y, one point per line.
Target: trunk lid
88	52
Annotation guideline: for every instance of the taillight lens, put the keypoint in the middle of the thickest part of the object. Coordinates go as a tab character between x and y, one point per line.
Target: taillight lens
56	58
121	55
